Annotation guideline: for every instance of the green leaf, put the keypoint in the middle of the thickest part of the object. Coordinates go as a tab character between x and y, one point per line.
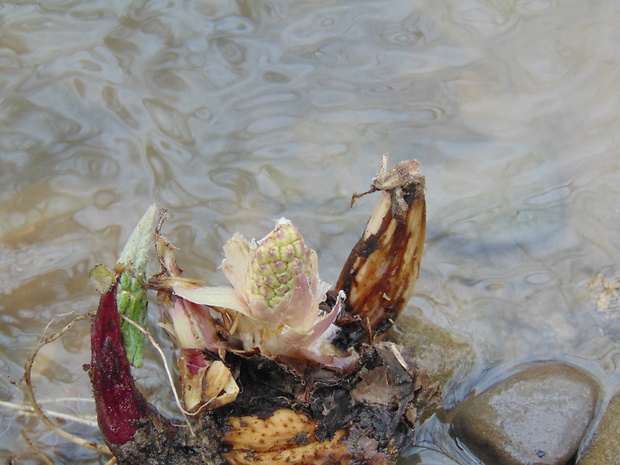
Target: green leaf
136	251
131	294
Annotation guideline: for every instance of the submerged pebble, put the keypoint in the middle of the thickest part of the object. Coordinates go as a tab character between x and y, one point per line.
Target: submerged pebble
527	207
537	416
443	354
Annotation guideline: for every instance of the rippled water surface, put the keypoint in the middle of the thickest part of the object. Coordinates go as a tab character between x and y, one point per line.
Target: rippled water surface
231	114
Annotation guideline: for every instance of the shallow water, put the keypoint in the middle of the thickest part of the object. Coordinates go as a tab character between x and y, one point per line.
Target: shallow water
231	114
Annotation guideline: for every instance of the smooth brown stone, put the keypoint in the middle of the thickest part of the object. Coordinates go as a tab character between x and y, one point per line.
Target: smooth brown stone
535	417
605	445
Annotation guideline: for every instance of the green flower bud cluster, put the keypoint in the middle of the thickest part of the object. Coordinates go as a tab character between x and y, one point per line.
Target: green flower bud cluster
274	262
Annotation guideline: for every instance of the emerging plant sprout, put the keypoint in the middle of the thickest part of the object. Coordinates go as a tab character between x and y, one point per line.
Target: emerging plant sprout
276	296
279	367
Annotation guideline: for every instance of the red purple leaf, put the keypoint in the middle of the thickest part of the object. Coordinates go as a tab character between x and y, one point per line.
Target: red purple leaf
119	403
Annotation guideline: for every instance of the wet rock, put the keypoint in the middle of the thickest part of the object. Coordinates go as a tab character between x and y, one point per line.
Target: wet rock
537	416
441	353
605	445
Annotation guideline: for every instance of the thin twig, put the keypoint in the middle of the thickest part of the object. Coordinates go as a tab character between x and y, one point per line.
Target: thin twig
35	448
102	448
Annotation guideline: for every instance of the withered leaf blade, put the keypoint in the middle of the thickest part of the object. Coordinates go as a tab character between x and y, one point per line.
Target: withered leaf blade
380	274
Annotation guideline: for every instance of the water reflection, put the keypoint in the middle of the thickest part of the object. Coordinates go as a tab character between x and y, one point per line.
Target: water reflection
232	114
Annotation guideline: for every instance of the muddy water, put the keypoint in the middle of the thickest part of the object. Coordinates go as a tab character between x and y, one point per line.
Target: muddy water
233	114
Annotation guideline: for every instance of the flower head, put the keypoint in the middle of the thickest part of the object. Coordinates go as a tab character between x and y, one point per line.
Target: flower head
275	298
279	257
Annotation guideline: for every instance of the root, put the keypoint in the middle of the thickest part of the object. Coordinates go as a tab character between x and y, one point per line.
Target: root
102	448
35	448
43	416
27	410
